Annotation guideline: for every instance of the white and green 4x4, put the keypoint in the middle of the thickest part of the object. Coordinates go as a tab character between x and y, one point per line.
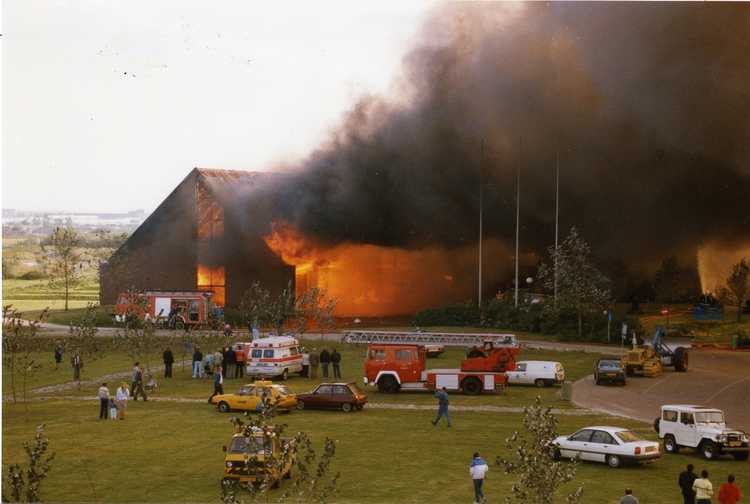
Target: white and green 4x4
702	428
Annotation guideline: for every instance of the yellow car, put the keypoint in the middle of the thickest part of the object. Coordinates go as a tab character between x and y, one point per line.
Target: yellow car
247	459
250	397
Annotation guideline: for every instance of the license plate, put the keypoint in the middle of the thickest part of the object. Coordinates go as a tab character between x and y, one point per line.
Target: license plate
610	375
650	449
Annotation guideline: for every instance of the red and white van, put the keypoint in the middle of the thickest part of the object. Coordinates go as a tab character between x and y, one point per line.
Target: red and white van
274	356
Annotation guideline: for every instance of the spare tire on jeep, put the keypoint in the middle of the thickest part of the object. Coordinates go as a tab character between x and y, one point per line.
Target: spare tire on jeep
680	359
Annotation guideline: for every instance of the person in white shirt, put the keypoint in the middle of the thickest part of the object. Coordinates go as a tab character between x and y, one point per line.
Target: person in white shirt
703	489
121	396
103	401
478	469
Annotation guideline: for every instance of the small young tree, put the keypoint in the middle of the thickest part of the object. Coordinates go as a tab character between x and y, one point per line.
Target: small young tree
738	286
82	339
19	349
535	461
580	285
63	259
24	485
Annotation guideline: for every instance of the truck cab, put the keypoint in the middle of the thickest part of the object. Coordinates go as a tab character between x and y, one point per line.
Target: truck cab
702	428
389	366
257	458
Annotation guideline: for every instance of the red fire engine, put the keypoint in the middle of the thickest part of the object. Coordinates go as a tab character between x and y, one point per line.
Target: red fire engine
400	366
176	309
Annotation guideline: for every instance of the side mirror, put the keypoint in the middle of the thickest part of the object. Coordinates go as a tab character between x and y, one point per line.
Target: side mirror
224	448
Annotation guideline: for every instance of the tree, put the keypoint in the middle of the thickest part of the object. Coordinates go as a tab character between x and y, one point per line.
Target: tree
82	339
673	283
536	462
580	285
310	480
63	258
24	485
738	286
18	348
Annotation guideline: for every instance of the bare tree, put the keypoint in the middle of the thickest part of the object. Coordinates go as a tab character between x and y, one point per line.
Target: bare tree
24	485
19	346
738	286
82	340
63	259
536	462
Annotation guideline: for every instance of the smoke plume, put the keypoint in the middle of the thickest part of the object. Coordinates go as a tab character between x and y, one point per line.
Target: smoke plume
645	106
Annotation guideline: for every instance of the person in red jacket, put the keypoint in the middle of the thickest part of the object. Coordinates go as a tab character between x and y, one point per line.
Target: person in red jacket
729	493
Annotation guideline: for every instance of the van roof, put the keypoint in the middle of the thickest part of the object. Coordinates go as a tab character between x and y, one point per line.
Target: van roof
537	362
275	341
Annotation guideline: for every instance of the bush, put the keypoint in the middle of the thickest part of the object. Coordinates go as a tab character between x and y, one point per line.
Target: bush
33	275
455	315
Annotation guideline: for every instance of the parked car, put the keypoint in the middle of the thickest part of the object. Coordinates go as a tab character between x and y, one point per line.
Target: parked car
539	373
609	371
687	425
246	459
614	446
341	396
250	397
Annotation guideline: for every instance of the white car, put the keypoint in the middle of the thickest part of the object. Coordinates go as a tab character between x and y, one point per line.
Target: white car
539	373
612	445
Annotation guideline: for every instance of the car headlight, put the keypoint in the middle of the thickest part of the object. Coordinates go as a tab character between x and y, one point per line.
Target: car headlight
229	464
745	438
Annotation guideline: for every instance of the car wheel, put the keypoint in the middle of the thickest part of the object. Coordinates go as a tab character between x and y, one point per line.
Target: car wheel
346	407
223	407
179	325
539	382
614	461
670	445
709	450
300	405
597	380
285	375
471	386
388	385
740	455
556	454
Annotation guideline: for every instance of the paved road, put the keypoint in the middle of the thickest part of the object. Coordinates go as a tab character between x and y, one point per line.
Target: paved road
719	379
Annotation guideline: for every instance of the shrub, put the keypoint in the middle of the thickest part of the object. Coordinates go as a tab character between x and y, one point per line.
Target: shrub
454	315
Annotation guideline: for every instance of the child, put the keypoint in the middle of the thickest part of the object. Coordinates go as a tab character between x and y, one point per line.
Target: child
112	408
151	386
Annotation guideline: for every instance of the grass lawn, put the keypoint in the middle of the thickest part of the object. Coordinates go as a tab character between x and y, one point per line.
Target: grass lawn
167	452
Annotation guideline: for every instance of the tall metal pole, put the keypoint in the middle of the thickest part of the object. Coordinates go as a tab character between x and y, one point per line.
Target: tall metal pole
557	217
518	218
481	203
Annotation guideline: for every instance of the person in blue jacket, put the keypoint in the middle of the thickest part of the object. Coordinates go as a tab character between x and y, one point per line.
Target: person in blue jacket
442	397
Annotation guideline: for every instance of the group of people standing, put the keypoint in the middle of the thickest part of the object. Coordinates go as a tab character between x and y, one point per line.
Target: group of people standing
699	490
231	363
311	360
113	407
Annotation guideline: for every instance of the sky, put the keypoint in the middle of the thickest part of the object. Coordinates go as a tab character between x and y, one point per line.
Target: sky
107	105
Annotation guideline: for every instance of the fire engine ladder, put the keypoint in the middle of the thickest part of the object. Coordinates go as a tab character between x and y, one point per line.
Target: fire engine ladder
431	338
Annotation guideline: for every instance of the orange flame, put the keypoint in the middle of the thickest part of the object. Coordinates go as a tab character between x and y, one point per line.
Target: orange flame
369	280
212	278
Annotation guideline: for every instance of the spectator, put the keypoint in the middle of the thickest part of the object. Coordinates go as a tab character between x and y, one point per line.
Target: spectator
103	401
230	362
227	330
209	364
197	359
218	383
112	408
325	359
442	397
121	397
628	498
137	384
478	469
151	384
703	489
336	361
239	362
305	363
218	359
729	492
314	359
58	355
168	359
686	480
77	364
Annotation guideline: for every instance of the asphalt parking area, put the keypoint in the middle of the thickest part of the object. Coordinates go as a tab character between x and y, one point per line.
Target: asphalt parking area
719	379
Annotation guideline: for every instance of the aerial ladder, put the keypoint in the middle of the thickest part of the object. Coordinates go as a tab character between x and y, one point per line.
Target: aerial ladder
494	340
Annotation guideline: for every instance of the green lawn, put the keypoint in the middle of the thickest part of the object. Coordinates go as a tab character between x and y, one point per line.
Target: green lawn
166	452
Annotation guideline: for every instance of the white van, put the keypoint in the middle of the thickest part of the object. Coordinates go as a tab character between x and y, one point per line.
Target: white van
539	373
275	356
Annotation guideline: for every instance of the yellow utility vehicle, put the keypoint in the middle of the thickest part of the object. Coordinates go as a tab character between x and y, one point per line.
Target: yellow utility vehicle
257	458
643	361
250	397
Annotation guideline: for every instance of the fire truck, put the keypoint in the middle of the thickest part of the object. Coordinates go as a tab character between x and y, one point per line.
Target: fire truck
175	309
396	361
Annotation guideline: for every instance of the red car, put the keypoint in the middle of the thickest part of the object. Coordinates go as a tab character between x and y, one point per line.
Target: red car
341	396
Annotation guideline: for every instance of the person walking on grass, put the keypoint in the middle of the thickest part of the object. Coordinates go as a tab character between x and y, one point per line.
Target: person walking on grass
103	401
137	385
197	360
336	361
478	469
729	492
686	480
112	408
168	359
58	355
121	397
703	488
239	363
325	359
314	362
77	364
442	397
218	383
628	498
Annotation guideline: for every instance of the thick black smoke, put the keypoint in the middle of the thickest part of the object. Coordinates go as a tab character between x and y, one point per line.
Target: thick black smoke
647	107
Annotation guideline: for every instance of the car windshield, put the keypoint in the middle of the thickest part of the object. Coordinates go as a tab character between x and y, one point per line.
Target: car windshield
609	364
251	445
709	417
283	390
627	436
